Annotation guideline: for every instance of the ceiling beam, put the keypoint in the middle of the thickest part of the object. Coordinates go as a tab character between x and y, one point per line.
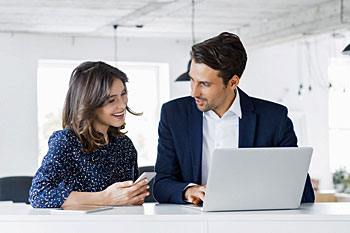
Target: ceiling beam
320	19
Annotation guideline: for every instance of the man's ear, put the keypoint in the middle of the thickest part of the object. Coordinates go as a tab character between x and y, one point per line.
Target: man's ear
233	82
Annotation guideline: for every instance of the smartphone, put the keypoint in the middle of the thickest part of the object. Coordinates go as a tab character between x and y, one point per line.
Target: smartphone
146	175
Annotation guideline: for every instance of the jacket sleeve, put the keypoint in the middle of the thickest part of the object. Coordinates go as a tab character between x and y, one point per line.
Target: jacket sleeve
287	138
168	183
51	184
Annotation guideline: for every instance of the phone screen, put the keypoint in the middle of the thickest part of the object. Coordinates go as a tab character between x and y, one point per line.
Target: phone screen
146	175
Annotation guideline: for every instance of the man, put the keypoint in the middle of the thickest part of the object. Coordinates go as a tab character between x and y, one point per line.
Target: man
218	114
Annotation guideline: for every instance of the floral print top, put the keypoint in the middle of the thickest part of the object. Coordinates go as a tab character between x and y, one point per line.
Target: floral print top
65	168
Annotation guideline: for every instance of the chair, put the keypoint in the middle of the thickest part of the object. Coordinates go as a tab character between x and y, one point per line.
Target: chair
15	188
150	197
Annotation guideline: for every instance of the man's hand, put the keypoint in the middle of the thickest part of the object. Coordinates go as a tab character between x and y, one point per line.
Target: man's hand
195	194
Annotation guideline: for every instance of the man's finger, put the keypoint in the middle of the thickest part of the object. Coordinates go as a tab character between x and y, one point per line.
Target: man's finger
201	196
202	188
196	201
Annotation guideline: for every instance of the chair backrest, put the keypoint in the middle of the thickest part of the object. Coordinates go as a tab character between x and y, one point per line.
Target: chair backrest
150	197
15	188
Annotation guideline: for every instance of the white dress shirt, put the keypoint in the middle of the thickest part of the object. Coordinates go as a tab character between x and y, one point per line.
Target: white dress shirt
219	133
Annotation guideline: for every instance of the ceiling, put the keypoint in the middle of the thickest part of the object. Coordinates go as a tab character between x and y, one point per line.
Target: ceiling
256	21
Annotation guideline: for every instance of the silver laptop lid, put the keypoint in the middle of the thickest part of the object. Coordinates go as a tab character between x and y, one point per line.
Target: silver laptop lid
257	178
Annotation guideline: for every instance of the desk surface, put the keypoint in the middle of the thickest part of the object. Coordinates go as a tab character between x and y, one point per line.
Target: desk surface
316	211
323	217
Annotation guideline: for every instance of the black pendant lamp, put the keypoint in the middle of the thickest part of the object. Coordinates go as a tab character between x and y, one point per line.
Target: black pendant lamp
185	76
346	51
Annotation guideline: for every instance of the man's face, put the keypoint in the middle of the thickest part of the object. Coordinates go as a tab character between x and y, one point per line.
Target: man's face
209	90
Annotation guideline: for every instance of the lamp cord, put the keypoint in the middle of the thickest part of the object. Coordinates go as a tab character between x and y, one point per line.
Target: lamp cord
115	26
193	38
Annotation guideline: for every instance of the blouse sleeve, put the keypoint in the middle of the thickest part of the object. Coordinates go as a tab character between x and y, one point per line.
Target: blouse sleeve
130	151
136	169
53	181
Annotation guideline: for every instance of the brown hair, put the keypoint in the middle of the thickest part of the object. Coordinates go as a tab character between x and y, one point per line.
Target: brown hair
89	89
224	53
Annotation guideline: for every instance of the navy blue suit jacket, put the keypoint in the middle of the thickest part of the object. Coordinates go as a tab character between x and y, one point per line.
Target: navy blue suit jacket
263	124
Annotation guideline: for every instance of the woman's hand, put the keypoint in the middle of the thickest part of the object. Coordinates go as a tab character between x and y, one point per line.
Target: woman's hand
120	193
125	193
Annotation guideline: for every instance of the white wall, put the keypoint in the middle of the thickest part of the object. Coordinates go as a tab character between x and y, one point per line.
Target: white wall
19	54
275	72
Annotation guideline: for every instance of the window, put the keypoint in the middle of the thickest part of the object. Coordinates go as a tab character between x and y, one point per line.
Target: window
148	89
339	113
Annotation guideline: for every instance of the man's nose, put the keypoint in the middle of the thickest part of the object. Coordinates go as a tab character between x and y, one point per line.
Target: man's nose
194	91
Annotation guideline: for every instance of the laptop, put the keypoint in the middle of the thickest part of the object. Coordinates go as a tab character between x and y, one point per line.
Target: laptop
256	179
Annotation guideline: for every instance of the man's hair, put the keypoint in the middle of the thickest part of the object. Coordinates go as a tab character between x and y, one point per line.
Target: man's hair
224	53
89	89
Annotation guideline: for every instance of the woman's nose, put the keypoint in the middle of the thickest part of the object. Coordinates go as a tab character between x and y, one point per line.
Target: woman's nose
121	104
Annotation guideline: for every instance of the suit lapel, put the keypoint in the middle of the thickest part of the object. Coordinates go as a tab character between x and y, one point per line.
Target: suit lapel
248	122
196	138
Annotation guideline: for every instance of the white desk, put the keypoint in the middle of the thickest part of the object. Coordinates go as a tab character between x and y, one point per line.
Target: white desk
319	217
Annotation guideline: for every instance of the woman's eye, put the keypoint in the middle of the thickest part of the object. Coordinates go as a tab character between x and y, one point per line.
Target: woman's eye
111	101
124	93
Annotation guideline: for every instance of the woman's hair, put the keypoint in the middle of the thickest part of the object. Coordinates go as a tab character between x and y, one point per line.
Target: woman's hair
89	89
224	53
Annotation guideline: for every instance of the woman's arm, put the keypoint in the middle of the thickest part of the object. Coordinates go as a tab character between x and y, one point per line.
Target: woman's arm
120	193
53	182
84	198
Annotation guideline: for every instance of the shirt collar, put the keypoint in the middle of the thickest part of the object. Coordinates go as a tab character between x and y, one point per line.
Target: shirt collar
236	106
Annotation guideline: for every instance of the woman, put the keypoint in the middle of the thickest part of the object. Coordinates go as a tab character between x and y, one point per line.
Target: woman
91	161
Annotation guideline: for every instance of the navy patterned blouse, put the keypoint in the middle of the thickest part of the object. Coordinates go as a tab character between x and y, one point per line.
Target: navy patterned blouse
66	168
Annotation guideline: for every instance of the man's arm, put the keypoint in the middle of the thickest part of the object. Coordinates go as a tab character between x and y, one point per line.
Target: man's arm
308	194
288	138
168	183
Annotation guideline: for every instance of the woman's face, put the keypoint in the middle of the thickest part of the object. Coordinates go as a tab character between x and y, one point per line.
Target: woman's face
112	114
